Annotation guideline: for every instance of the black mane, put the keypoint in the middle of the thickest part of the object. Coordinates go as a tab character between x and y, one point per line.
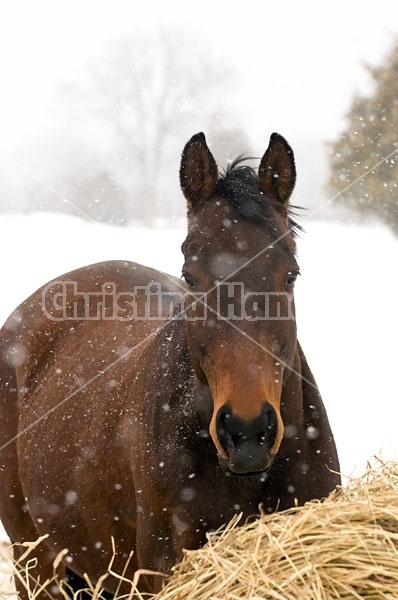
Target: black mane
239	185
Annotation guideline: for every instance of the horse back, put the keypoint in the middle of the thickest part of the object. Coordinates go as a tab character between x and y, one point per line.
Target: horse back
112	306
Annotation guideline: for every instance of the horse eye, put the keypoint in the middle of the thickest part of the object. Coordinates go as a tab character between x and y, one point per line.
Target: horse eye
291	278
189	281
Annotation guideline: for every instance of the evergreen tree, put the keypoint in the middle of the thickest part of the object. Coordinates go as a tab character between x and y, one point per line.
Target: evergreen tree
365	157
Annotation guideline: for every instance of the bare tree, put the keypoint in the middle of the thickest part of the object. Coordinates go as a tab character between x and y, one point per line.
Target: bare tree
148	95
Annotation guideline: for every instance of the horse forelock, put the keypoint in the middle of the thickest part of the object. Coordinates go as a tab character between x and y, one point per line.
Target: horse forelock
238	184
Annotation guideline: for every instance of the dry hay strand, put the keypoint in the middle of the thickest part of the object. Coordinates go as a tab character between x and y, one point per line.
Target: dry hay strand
7	589
343	547
54	588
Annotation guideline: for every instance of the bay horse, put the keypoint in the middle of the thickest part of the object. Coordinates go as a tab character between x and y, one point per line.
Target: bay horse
142	408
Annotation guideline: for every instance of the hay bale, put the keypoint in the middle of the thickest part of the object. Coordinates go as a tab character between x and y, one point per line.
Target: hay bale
343	547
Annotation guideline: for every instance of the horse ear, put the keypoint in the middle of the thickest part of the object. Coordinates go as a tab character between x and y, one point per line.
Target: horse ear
277	171
198	171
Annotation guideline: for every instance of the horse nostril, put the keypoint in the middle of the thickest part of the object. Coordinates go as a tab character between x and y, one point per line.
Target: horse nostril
222	427
271	424
261	438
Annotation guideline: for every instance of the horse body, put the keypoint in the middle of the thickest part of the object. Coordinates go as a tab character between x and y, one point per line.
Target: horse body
154	430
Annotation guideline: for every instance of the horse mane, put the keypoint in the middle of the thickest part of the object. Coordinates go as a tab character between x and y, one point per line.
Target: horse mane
238	183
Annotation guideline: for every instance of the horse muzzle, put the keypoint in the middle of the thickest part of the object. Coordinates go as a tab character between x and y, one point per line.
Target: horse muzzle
248	445
250	468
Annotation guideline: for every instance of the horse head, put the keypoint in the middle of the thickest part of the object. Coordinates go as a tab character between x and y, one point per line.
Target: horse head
240	269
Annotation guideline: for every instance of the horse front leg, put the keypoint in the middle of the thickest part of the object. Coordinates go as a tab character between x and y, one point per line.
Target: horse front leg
155	556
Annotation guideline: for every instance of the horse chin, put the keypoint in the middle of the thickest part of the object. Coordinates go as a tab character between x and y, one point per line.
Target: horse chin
228	472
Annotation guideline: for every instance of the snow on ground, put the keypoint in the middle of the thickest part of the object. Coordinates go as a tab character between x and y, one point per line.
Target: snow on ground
348	326
345	302
41	246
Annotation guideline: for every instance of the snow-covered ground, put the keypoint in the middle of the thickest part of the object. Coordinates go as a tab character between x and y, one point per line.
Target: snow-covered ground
346	307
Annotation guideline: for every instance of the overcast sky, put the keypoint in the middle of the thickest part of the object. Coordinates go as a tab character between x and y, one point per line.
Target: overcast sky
297	63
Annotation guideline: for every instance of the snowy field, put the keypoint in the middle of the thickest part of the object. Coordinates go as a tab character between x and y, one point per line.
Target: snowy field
346	307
